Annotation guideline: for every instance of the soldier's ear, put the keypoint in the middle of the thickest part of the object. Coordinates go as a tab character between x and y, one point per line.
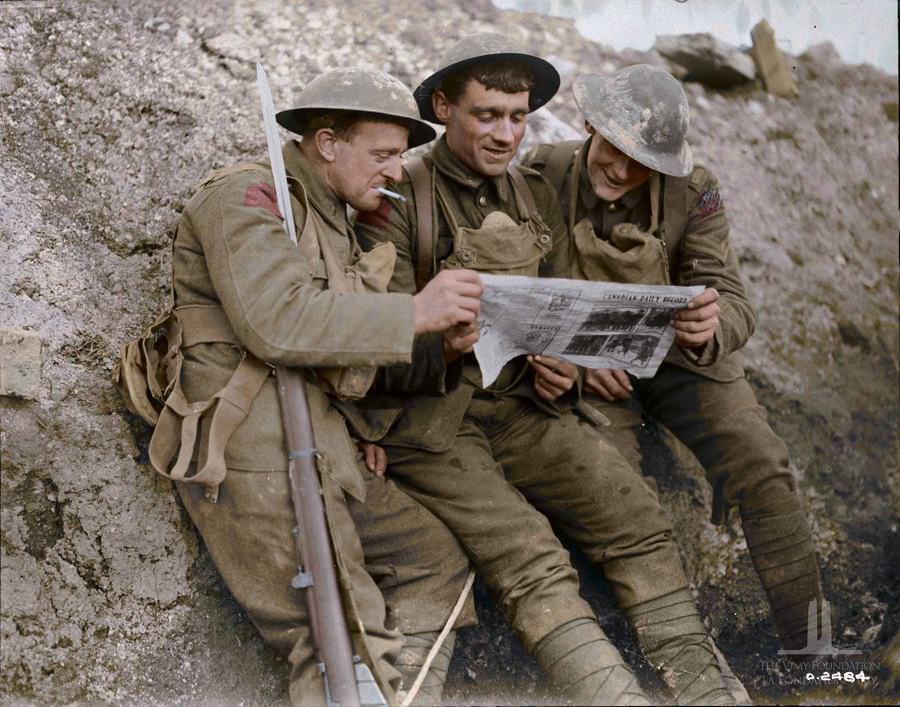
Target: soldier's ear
325	140
441	106
589	127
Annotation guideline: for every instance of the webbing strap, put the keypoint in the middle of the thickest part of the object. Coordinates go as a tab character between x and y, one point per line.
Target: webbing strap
205	324
558	160
423	196
524	198
655	229
673	221
175	436
654	202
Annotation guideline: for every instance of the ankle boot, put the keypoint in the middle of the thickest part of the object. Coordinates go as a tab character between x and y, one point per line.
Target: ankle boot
675	641
578	658
412	658
782	552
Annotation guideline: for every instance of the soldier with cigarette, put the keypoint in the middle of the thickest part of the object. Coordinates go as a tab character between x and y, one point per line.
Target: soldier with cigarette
247	299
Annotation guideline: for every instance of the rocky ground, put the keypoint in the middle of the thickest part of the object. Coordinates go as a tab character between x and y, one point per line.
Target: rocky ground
112	110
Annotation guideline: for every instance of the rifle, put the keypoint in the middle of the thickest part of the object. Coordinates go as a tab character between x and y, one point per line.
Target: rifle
347	680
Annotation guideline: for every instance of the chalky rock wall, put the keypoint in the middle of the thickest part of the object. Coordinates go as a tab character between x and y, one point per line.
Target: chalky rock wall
111	111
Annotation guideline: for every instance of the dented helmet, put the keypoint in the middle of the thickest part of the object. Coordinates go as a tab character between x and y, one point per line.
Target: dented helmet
484	48
641	110
361	91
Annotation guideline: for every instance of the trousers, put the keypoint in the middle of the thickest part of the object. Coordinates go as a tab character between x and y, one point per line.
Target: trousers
721	423
511	467
400	569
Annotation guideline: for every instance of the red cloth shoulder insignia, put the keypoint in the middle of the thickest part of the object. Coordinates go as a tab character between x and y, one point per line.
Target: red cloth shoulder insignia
262	195
710	202
379	218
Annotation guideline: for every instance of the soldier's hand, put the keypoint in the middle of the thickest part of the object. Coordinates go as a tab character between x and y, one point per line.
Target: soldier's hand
609	384
553	377
697	324
459	340
374	456
452	297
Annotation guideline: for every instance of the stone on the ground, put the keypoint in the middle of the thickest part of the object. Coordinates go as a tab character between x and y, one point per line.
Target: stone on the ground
770	62
707	59
20	363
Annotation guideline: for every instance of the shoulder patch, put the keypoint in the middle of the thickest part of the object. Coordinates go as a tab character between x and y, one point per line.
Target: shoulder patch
262	195
379	218
710	203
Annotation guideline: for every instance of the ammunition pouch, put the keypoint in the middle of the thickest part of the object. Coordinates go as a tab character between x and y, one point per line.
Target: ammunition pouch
631	256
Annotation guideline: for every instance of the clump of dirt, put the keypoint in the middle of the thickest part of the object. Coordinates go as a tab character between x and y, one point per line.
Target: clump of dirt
112	111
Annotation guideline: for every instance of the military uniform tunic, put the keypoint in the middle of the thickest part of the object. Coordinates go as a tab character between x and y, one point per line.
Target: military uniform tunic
231	252
482	460
701	395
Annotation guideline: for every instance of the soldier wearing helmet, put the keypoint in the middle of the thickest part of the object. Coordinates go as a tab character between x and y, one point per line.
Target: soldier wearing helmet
248	298
639	210
467	207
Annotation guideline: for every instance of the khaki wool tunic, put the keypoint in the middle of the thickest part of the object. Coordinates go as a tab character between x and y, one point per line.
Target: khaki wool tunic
231	251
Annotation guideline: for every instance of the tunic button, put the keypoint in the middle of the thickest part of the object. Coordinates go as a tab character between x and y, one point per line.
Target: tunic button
544	238
612	207
482	200
465	256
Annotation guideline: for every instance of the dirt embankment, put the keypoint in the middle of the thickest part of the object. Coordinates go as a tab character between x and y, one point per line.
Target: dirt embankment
111	111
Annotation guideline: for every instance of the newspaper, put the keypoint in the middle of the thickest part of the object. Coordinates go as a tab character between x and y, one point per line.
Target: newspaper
591	324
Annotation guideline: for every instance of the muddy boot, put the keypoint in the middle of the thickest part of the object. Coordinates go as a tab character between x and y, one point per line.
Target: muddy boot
675	641
782	551
736	689
578	658
412	658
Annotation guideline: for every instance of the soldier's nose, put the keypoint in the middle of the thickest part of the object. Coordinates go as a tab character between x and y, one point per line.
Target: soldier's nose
503	132
393	169
620	167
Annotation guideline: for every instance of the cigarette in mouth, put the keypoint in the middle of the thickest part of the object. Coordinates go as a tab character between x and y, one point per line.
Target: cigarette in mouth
392	194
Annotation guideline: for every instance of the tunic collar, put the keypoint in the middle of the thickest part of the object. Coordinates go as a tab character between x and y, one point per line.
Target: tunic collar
453	168
320	195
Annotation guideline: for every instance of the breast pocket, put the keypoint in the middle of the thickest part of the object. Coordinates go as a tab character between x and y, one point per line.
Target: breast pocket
502	246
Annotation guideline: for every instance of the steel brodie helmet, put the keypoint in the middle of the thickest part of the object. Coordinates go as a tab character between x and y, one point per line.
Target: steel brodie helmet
485	48
361	91
641	110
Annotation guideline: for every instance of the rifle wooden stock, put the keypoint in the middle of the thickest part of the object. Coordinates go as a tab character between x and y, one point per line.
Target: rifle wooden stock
331	638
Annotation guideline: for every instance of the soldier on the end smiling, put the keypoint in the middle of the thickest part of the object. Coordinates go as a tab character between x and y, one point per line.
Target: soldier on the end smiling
640	211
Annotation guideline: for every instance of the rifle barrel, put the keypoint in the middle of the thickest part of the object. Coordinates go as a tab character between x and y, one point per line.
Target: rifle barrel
330	635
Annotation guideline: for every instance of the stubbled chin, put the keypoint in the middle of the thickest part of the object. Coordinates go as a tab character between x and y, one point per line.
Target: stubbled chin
367	203
494	166
608	194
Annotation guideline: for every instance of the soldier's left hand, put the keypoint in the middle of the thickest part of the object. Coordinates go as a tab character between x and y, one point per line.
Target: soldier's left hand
459	340
553	377
375	457
697	324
